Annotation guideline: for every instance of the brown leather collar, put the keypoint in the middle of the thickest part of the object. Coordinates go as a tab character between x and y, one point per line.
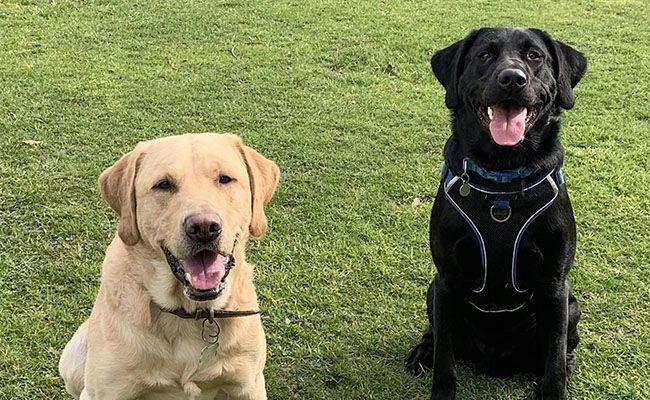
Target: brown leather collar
210	315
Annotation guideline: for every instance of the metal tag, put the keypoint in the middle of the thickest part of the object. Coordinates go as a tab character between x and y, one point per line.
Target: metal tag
210	334
464	189
208	352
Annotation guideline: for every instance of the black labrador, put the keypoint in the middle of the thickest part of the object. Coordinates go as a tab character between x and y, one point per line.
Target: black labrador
502	233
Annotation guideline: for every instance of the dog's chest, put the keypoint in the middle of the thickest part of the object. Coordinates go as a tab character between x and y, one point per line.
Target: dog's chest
176	380
179	394
188	367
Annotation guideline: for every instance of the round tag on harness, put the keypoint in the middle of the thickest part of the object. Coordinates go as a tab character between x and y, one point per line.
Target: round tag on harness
500	211
464	190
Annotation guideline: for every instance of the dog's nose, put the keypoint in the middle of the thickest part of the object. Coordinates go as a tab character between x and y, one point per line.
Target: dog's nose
203	227
512	78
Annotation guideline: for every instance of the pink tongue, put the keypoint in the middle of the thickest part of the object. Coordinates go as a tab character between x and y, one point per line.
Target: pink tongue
206	268
508	124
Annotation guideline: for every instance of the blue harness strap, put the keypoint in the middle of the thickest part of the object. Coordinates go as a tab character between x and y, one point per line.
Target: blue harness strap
498	220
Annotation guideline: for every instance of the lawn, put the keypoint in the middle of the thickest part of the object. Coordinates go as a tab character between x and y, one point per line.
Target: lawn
340	94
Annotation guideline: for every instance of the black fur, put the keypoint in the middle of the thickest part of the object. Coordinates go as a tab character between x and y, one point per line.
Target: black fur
542	337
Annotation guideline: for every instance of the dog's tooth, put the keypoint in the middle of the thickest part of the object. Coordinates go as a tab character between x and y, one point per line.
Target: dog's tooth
525	113
188	277
490	113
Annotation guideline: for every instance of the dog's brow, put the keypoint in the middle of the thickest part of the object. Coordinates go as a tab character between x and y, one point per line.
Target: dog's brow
530	42
492	46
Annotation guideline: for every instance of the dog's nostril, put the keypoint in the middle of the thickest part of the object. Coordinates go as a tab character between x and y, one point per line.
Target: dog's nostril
215	228
510	77
203	227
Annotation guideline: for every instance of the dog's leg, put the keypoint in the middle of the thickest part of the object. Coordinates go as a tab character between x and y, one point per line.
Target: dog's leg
252	390
572	336
260	392
436	347
420	358
553	317
113	391
444	363
73	361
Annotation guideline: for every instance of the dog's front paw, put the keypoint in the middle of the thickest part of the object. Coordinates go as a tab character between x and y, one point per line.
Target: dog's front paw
420	359
545	392
443	393
571	364
541	396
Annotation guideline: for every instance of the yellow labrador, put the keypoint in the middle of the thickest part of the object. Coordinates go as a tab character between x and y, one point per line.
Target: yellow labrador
176	313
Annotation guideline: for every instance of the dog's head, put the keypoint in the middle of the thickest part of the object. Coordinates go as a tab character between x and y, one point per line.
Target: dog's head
506	84
190	203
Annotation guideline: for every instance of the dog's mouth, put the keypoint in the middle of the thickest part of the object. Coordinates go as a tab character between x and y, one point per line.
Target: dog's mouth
507	121
203	274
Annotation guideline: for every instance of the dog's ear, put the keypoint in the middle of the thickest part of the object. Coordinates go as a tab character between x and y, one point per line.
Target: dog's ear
447	65
263	175
117	184
569	66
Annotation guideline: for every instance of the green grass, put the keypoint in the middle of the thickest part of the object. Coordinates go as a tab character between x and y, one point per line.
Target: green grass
341	96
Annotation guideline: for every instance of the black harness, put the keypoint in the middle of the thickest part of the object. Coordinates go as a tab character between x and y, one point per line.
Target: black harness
499	206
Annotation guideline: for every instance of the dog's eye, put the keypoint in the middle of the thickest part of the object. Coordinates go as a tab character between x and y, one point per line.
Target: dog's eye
225	179
484	55
164	184
534	55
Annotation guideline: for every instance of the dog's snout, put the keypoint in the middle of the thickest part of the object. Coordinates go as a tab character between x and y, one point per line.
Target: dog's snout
512	78
203	227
